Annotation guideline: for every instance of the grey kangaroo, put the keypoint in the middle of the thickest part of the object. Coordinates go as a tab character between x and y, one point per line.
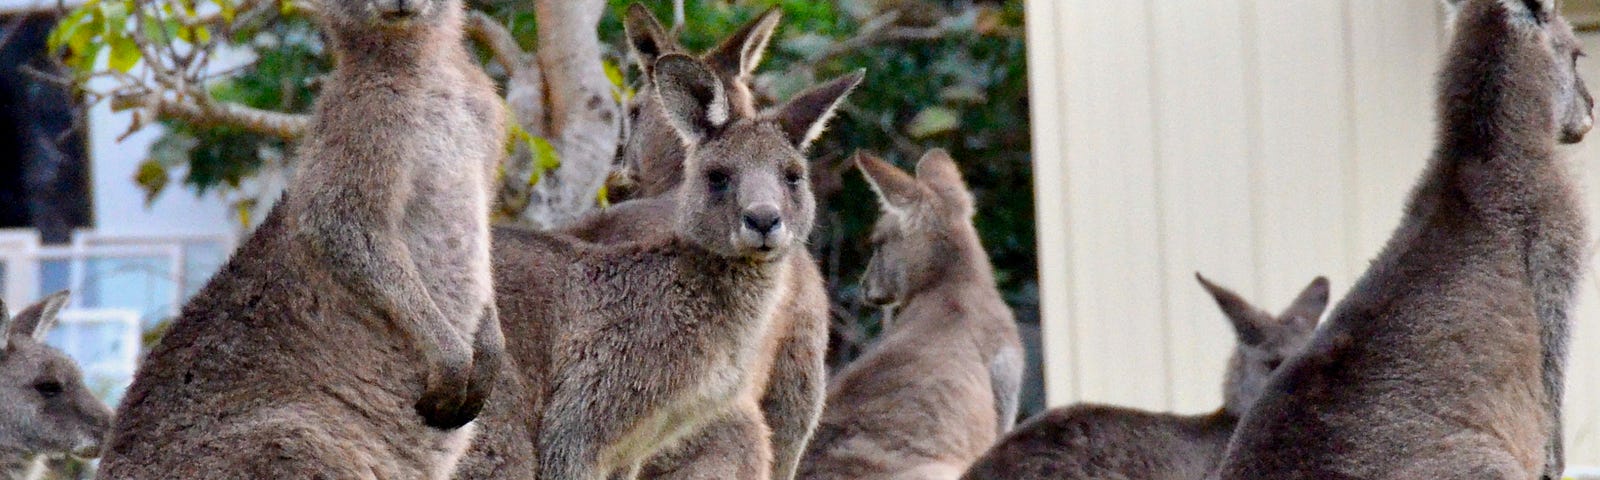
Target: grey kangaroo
625	348
1100	442
790	377
354	334
1446	358
942	384
44	406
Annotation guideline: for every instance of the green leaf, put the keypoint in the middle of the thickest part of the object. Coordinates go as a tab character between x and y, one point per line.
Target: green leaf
619	85
226	8
544	155
202	34
67	28
152	177
933	121
124	54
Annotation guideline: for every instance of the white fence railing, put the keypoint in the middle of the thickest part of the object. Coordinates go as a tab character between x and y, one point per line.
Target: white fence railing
149	274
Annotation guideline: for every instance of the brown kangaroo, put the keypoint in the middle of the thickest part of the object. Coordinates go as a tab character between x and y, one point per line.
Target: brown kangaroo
792	385
354	333
1099	441
942	383
44	406
1446	358
628	347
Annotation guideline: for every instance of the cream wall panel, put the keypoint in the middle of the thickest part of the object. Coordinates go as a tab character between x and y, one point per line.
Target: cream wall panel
1305	141
1204	154
1047	122
1583	374
1260	142
1112	201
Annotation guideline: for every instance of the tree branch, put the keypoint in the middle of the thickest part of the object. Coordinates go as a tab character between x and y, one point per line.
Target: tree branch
286	126
494	36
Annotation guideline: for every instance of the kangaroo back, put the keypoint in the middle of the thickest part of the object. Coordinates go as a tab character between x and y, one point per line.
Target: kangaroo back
1095	441
1450	347
941	385
354	334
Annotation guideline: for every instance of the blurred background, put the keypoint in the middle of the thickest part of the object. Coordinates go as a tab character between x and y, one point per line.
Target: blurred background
1262	143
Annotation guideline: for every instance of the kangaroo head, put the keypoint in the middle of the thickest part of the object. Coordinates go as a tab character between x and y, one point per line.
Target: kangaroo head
925	230
392	15
44	406
652	154
745	191
1547	55
1265	341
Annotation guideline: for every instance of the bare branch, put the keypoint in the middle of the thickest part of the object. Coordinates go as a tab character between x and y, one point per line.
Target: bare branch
286	126
494	36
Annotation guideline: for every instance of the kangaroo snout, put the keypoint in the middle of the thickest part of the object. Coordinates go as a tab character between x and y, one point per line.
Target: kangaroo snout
761	228
400	9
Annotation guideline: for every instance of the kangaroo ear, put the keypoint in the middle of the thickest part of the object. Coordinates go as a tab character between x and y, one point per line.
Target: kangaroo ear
37	320
692	97
939	172
804	116
1307	308
739	54
646	38
1246	320
896	190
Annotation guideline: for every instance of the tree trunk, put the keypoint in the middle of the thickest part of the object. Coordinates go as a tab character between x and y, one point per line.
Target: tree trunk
582	121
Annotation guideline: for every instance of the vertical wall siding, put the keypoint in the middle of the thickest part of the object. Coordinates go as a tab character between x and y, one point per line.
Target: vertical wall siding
1259	142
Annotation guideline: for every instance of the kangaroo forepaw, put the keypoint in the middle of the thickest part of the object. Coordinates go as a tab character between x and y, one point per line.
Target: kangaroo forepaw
449	409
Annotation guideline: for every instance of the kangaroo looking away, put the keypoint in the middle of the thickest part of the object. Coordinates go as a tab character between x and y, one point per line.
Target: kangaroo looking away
646	341
1445	360
354	334
1096	441
942	383
44	406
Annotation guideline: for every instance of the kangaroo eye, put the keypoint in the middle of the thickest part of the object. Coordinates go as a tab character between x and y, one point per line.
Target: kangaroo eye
718	181
1273	364
48	389
794	178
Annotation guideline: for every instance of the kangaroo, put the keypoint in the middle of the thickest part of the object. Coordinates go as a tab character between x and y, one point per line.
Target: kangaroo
1445	360
1097	441
628	347
790	376
354	335
44	406
942	384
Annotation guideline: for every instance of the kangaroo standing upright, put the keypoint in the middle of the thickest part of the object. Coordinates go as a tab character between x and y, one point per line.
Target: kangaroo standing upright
1096	441
1445	359
626	348
942	383
354	334
44	406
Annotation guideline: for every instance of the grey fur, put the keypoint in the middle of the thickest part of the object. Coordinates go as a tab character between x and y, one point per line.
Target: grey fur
44	406
1446	359
1102	442
355	331
922	402
662	338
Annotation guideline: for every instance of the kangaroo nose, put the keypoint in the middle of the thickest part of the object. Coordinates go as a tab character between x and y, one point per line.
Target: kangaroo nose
763	219
397	8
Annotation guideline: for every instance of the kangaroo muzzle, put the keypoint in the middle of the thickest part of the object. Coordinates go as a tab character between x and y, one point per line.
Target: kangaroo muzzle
762	230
